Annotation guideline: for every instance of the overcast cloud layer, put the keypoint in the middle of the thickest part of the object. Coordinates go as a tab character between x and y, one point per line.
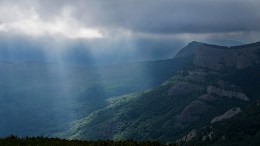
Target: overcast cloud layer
103	18
136	26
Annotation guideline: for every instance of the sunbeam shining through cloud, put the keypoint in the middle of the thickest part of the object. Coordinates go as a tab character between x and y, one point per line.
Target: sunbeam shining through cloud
128	27
66	65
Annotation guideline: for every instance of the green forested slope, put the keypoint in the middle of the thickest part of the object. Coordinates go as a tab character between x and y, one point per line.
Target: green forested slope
189	100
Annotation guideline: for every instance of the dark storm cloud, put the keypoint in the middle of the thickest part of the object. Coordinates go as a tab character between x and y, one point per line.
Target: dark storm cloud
171	16
152	17
131	27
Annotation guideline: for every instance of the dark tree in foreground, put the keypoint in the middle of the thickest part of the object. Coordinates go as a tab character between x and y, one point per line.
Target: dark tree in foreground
41	141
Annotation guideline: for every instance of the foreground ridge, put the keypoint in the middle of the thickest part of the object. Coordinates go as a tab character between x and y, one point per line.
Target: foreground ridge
42	141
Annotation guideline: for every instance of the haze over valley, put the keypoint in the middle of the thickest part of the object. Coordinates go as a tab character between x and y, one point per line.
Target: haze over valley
177	72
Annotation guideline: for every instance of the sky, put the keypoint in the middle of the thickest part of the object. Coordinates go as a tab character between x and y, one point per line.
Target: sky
129	25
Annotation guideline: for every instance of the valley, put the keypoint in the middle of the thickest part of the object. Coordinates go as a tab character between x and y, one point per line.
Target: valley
39	99
184	100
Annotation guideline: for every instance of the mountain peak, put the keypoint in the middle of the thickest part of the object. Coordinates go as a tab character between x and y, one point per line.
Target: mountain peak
194	43
188	50
217	57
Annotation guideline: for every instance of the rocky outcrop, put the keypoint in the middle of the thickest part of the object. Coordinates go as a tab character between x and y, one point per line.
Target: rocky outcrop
227	115
227	93
210	136
192	134
220	57
207	97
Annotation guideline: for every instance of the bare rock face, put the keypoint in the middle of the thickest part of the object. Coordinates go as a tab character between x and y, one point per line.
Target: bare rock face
197	76
227	93
227	115
188	137
218	58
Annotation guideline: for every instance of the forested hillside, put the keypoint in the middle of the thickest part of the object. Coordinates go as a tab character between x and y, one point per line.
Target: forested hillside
195	97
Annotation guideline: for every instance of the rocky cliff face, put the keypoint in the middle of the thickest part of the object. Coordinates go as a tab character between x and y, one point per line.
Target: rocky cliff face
227	115
219	57
227	93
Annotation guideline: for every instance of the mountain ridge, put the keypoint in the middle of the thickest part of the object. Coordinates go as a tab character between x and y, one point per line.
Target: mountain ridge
219	57
192	46
190	99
